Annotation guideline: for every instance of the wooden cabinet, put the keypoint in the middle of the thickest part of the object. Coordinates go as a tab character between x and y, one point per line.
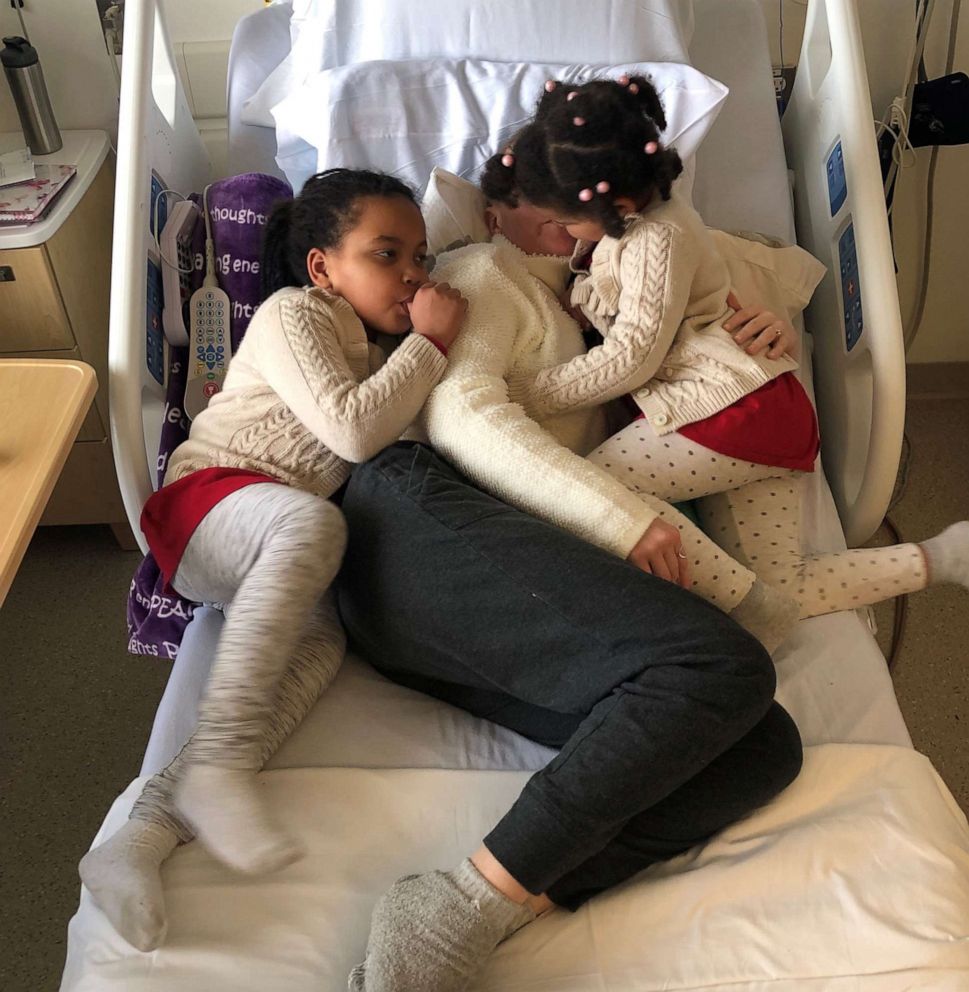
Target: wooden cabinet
54	304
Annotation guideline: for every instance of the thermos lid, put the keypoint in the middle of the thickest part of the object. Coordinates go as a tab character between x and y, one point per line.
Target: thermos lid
18	53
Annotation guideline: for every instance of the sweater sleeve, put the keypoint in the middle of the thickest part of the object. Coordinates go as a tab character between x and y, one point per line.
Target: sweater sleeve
305	366
471	421
656	270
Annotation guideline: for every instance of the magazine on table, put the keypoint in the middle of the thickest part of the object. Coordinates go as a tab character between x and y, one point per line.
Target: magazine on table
26	202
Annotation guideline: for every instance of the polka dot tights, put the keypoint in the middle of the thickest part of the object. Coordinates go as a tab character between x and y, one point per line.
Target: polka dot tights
752	514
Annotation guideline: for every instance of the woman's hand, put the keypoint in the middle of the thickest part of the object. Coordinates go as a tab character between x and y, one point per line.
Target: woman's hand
760	331
437	311
660	552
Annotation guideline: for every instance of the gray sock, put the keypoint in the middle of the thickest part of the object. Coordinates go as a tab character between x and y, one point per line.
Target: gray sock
123	876
768	614
948	554
433	932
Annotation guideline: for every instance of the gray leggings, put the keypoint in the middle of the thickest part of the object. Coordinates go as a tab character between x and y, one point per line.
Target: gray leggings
268	553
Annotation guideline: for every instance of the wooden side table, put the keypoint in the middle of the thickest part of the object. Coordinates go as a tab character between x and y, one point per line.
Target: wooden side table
42	406
54	296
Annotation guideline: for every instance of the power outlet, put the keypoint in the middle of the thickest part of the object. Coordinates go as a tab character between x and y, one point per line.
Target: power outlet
783	85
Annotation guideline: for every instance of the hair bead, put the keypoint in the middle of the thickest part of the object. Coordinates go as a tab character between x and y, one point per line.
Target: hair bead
633	87
603	186
550	85
585	195
651	147
623	80
578	121
572	95
507	160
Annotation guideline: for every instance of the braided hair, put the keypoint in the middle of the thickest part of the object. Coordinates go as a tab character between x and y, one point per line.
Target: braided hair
327	207
587	145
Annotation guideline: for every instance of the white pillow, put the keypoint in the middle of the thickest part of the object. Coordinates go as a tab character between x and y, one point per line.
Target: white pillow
453	212
330	33
781	278
408	117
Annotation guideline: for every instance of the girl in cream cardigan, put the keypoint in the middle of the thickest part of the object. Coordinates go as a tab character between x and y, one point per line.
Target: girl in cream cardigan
245	520
713	420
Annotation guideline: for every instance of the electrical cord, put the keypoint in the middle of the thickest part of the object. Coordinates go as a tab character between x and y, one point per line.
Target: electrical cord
900	613
900	617
914	324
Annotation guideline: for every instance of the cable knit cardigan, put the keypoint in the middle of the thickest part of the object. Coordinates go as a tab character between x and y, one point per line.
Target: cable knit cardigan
300	403
480	417
658	294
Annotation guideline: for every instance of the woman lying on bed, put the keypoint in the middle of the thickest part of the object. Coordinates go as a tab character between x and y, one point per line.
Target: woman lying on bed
498	612
538	611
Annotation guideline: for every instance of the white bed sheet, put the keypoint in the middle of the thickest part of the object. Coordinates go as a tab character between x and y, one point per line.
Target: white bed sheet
856	879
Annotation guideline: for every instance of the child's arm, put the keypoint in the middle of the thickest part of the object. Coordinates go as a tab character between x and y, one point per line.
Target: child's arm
656	272
309	371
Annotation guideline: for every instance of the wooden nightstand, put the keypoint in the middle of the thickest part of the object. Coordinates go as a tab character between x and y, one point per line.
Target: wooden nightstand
54	282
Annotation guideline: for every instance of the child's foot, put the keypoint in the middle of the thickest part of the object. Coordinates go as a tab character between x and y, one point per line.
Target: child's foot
433	932
768	614
948	554
123	876
229	816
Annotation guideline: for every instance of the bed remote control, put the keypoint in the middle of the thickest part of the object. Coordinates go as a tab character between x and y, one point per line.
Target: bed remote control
177	267
210	347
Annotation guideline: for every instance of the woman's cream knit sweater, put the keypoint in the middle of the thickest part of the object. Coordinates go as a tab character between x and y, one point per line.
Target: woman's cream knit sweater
480	418
300	403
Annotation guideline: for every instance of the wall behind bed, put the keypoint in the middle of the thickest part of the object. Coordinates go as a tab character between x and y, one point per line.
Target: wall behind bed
69	40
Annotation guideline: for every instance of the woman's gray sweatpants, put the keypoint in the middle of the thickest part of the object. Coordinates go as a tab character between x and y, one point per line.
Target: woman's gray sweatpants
267	553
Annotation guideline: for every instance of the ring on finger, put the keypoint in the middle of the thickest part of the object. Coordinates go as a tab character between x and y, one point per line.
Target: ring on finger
680	553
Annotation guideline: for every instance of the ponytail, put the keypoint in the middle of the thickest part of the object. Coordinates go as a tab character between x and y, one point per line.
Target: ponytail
276	272
326	208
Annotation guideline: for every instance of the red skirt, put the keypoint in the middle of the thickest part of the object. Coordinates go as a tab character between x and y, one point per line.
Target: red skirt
171	515
774	425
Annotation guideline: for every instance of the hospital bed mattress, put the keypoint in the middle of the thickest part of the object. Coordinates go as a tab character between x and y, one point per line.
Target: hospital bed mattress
815	893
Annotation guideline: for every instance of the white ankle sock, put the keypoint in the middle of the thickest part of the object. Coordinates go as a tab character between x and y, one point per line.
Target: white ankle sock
948	554
434	932
230	817
123	876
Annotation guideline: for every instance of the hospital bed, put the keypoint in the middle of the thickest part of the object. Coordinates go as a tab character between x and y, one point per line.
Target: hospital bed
856	878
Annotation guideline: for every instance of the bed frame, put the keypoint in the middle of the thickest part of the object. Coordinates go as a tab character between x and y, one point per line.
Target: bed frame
840	216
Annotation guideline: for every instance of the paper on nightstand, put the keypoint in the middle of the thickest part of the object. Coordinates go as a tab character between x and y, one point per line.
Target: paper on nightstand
16	166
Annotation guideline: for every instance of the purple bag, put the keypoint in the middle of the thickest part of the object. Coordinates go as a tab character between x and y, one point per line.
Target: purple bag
238	209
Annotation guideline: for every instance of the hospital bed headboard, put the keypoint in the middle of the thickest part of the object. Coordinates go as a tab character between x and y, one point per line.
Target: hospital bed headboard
829	140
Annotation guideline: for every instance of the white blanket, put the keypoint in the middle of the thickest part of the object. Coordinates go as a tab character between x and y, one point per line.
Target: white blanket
855	878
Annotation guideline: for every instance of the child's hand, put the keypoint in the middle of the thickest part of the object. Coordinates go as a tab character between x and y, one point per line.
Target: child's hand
660	552
757	330
437	311
574	312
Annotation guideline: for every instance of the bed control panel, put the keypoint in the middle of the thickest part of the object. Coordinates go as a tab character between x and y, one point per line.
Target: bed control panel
154	336
850	287
837	180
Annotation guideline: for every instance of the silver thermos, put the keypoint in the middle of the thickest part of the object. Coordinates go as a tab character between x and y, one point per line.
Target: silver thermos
26	78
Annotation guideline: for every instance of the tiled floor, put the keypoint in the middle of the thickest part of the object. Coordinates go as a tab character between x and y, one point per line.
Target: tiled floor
75	710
